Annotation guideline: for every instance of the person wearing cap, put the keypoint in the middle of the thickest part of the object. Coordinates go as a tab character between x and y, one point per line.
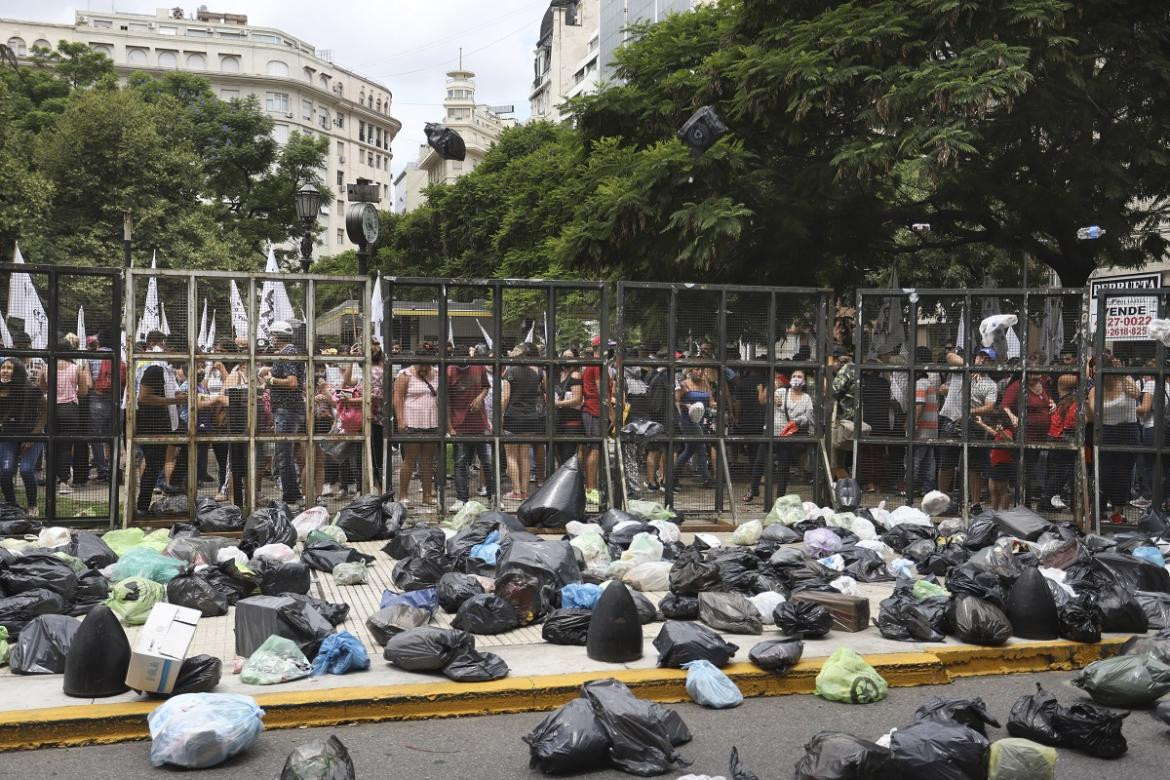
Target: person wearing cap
286	387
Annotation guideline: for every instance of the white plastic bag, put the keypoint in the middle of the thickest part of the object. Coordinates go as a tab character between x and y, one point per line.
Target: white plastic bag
668	532
644	547
711	540
224	554
860	526
200	730
594	551
910	516
766	603
53	537
310	520
576	528
788	510
935	503
902	567
352	573
275	552
709	687
649	576
836	562
747	534
846	585
465	516
879	547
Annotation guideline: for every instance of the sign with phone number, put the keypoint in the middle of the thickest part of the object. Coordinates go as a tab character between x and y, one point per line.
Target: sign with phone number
1127	318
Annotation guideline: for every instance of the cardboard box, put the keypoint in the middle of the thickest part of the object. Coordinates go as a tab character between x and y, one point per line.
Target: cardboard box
161	648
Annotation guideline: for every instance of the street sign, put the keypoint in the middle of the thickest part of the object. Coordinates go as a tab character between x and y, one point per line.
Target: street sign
1127	317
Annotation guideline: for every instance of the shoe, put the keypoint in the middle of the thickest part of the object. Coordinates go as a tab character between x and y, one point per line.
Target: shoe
157	491
1058	503
295	507
592	497
1141	503
456	506
173	490
64	489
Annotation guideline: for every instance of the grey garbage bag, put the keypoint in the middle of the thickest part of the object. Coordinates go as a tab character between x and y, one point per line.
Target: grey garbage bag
394	619
568	741
475	666
977	621
566	627
427	648
486	613
43	645
454	588
16	611
932	750
639	741
777	655
321	759
802	618
1130	681
833	755
553	563
733	613
678	642
559	500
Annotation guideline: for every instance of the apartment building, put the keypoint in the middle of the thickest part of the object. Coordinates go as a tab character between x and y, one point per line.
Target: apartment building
617	15
567	56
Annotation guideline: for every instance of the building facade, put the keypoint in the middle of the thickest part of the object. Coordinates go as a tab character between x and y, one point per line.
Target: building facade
567	56
617	15
300	87
476	124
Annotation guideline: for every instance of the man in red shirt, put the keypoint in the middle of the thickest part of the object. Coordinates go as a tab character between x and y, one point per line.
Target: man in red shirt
467	387
591	418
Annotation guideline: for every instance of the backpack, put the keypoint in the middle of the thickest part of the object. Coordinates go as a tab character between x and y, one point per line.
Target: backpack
104	383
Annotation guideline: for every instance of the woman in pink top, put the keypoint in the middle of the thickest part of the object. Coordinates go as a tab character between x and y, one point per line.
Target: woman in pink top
72	383
416	412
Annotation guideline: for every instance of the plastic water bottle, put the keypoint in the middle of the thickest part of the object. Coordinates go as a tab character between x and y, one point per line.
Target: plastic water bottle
1089	233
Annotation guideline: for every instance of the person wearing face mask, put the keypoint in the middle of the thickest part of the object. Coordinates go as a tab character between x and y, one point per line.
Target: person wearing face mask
792	414
22	410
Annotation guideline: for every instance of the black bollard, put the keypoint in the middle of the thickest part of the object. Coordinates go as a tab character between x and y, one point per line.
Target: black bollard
615	630
98	658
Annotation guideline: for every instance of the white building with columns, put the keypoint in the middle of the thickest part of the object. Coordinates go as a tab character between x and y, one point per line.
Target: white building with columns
299	86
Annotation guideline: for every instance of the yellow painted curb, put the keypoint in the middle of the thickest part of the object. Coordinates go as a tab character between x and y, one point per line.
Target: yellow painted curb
109	723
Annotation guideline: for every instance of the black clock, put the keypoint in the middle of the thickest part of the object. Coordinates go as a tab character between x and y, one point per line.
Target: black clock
361	223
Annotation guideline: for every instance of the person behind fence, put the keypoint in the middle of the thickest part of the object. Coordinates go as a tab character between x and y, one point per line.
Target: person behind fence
235	422
1150	416
1062	423
1038	408
72	385
347	401
1002	475
520	391
22	411
1117	422
286	386
416	413
660	402
591	420
876	402
792	415
694	401
926	386
101	400
567	400
467	389
157	415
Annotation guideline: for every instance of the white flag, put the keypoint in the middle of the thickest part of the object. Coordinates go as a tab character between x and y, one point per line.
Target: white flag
25	303
487	339
211	333
4	334
1013	344
450	332
376	314
163	326
150	311
274	302
531	333
961	338
81	327
239	313
201	343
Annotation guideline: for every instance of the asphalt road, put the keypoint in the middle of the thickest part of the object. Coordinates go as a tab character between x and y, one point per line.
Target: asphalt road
770	734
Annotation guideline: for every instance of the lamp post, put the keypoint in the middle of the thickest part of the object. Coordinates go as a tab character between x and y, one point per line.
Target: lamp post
308	203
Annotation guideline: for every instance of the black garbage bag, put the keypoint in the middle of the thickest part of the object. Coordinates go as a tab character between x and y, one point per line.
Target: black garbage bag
212	516
455	588
559	500
903	535
43	645
1120	611
459	546
1162	712
691	575
611	518
1135	573
780	534
169	505
920	550
324	556
419	573
647	612
16	611
278	577
198	674
531	598
846	495
89	548
476	666
427	648
242	579
803	619
321	759
735	768
1021	522
971	713
639	742
14	521
972	581
362	519
395	619
978	622
867	566
623	533
930	750
944	559
732	613
567	627
553	563
446	142
568	741
833	755
1154	523
424	542
903	618
787	558
982	532
486	613
998	560
1079	620
1157	609
271	525
678	642
92	589
1091	729
777	655
1034	717
194	591
1031	607
334	613
675	607
38	571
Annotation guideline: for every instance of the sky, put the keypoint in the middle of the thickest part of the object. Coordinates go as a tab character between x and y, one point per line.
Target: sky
406	45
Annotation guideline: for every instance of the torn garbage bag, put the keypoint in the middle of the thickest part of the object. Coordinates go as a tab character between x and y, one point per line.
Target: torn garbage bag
833	755
568	741
777	655
560	500
1130	681
321	759
678	642
566	627
201	730
43	645
846	677
732	613
639	742
929	750
803	619
709	687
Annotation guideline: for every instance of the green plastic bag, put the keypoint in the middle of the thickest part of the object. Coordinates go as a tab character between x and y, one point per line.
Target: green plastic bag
846	677
465	516
74	563
788	510
277	660
327	533
156	540
3	645
145	562
925	590
747	534
132	599
649	510
123	539
1131	681
1021	759
350	573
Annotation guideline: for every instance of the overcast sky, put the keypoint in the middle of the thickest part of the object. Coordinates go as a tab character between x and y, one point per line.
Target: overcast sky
407	45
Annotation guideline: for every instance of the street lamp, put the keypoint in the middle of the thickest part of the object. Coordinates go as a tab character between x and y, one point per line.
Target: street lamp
308	203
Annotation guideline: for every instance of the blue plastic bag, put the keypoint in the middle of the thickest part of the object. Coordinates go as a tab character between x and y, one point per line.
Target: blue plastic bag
488	549
1151	554
200	730
580	595
709	687
427	598
341	653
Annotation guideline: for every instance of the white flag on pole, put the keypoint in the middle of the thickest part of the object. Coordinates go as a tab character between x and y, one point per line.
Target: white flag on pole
4	334
150	311
211	333
239	313
486	338
25	303
376	311
531	334
274	302
81	327
961	337
164	326
201	343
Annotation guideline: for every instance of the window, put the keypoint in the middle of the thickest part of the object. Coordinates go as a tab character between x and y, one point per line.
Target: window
104	24
265	38
378	161
370	159
167	59
325	80
196	61
307	109
195	32
136	56
229	64
229	94
277	68
379	105
378	137
458	113
137	27
340	234
361	131
232	34
41	43
386	191
386	163
277	101
166	30
341	150
103	48
280	133
18	47
340	206
323	118
341	178
341	120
